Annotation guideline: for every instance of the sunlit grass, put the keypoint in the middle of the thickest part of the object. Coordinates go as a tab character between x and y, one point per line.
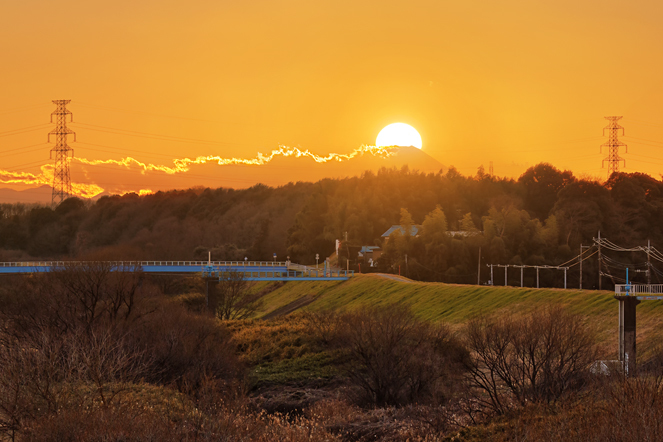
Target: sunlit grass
455	304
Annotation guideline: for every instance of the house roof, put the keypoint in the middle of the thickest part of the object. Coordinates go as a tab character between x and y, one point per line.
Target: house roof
368	249
415	230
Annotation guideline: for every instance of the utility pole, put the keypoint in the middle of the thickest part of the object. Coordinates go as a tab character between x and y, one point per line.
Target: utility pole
505	275
492	281
521	275
347	249
599	260
63	153
479	268
648	262
537	277
582	247
613	145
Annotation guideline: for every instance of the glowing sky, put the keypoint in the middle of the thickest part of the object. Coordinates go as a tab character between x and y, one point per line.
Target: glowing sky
514	82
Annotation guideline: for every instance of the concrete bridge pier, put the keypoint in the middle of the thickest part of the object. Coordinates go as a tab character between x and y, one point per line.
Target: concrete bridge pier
627	326
210	293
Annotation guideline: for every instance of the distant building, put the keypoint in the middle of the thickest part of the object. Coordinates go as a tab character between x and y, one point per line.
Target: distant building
414	231
370	254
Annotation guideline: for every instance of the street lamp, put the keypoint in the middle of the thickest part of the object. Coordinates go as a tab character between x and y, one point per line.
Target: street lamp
275	258
317	257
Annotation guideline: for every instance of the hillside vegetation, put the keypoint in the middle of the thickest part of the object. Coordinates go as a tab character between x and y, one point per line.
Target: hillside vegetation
456	304
541	218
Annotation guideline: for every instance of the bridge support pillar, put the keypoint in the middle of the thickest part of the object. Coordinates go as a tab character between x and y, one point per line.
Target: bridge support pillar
210	293
627	326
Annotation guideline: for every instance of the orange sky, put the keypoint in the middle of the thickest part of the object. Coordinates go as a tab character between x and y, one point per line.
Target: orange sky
515	82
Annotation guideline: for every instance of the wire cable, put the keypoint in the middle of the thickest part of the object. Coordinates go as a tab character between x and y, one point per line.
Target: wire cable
23	130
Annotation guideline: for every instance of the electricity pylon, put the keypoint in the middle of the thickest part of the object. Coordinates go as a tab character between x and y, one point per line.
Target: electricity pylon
613	145
61	178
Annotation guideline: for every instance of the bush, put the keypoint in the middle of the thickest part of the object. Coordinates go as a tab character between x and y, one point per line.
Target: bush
82	335
396	359
537	358
183	348
234	297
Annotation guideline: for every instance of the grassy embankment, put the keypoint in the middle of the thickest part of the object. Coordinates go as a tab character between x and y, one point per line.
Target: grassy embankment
282	350
455	304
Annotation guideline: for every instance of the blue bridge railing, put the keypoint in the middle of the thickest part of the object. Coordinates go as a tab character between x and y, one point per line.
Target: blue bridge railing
250	270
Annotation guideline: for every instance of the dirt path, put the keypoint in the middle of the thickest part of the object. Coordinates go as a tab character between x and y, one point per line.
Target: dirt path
291	307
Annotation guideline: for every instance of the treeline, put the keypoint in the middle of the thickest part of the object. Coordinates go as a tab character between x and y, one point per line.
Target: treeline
541	218
174	225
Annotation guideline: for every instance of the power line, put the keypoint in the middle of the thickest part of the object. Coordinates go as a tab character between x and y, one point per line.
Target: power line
645	139
160	137
645	156
21	153
144	113
122	149
23	109
644	122
15	168
23	130
20	148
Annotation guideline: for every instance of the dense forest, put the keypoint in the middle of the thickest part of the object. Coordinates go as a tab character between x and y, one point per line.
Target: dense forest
541	218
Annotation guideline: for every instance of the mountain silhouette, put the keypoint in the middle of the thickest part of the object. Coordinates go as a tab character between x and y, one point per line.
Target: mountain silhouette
42	194
278	172
282	170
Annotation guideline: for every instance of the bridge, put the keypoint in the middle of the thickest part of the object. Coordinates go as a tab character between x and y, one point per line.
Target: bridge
641	292
249	270
629	296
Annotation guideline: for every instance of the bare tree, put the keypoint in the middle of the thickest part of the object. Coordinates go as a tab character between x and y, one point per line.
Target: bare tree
235	298
397	359
537	358
98	288
323	324
80	336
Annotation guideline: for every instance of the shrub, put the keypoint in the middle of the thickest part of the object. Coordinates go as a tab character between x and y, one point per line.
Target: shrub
537	358
396	359
183	348
87	334
234	298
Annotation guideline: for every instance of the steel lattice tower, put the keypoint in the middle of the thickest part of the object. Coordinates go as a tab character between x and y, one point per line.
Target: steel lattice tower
613	145
63	153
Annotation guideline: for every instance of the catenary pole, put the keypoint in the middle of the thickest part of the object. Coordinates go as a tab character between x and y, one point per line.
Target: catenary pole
580	266
648	262
599	260
479	268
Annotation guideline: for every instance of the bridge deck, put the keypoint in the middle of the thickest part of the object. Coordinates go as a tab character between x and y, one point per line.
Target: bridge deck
643	292
251	270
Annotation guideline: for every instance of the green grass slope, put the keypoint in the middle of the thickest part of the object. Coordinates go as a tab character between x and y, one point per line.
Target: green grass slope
455	304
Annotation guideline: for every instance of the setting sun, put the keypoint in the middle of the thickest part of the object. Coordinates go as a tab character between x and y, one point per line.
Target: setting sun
399	134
